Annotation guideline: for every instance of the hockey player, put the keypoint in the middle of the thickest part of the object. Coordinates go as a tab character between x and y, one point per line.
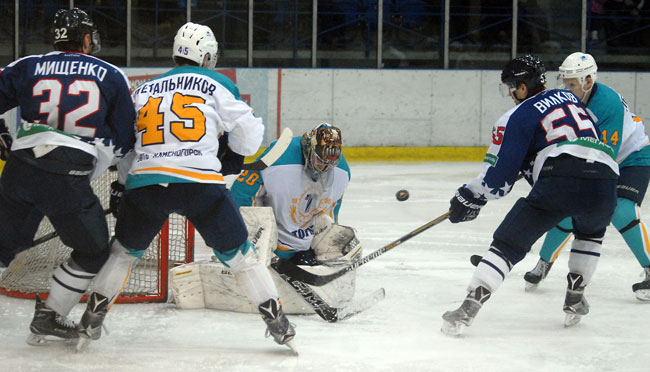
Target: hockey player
73	106
180	117
549	137
624	132
305	188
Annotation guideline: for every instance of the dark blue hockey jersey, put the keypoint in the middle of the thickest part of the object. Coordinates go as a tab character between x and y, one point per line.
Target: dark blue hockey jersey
69	99
549	124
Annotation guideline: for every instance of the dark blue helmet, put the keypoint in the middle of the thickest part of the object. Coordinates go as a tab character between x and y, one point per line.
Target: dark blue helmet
528	69
72	25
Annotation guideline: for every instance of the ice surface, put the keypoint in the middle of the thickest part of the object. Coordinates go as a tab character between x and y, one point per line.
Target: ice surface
423	278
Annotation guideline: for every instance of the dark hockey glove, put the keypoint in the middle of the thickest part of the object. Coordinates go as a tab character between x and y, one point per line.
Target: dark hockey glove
117	191
231	162
464	206
5	140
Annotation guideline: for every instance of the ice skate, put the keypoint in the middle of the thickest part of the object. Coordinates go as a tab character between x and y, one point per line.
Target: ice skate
575	304
537	274
47	322
90	327
642	289
454	321
277	323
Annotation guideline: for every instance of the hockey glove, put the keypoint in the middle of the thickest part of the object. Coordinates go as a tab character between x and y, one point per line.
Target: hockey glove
464	206
231	162
5	140
117	191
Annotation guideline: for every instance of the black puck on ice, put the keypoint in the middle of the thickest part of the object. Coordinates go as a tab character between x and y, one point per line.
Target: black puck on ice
402	195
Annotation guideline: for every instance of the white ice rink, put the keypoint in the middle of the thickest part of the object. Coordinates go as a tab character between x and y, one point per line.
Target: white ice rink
515	331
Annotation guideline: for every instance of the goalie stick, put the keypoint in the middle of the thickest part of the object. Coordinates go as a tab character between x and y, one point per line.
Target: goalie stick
274	153
289	268
327	312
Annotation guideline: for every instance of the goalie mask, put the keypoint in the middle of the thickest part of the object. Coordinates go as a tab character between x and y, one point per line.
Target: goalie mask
72	25
196	43
321	148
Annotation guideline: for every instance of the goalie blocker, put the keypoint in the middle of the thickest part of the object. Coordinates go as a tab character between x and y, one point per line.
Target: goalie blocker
210	284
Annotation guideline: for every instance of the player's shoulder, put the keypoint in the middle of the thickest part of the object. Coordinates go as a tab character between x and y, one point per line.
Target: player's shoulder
291	156
605	101
25	60
112	72
215	76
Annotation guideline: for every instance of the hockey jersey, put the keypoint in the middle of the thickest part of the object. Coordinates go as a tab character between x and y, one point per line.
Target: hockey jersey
69	99
180	116
295	198
548	124
619	127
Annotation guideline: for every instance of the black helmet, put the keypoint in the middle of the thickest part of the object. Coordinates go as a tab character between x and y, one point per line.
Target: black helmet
71	25
529	70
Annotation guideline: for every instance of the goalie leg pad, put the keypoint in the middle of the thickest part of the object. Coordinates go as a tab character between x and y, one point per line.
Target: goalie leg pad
251	273
114	274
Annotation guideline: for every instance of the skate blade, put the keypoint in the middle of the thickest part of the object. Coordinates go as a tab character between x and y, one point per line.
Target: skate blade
452	329
290	344
40	340
571	319
530	287
643	295
82	344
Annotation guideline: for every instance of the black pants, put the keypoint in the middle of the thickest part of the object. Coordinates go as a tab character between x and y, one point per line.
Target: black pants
28	192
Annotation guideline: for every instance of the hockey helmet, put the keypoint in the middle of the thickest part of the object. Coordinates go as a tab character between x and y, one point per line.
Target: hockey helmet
321	147
578	65
529	70
72	25
194	41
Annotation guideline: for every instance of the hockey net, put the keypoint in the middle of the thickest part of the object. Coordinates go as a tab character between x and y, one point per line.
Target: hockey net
29	273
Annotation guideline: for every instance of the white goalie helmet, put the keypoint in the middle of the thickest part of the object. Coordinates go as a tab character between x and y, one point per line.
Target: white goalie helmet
578	65
194	42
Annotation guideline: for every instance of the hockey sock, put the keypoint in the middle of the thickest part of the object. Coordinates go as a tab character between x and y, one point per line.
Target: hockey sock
584	258
114	274
555	240
68	284
491	271
627	220
252	274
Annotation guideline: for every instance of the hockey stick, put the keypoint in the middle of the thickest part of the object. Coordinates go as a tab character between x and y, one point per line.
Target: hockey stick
327	312
289	268
274	153
54	234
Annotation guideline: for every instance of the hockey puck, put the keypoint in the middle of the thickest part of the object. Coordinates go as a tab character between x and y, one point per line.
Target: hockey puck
402	195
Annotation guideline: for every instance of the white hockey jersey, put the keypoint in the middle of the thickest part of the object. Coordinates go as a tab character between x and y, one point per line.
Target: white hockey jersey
180	116
295	198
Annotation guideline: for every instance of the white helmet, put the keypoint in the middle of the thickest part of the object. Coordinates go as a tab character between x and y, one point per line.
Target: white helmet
194	41
578	65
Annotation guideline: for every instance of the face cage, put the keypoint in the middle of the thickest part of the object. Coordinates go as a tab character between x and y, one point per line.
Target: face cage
320	165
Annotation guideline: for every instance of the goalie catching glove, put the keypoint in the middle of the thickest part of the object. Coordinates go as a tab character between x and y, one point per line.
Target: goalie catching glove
464	206
5	140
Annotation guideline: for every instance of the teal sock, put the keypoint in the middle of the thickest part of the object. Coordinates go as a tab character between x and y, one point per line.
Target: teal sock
626	219
555	240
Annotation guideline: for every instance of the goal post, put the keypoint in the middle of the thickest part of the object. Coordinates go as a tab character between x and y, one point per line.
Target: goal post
29	273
